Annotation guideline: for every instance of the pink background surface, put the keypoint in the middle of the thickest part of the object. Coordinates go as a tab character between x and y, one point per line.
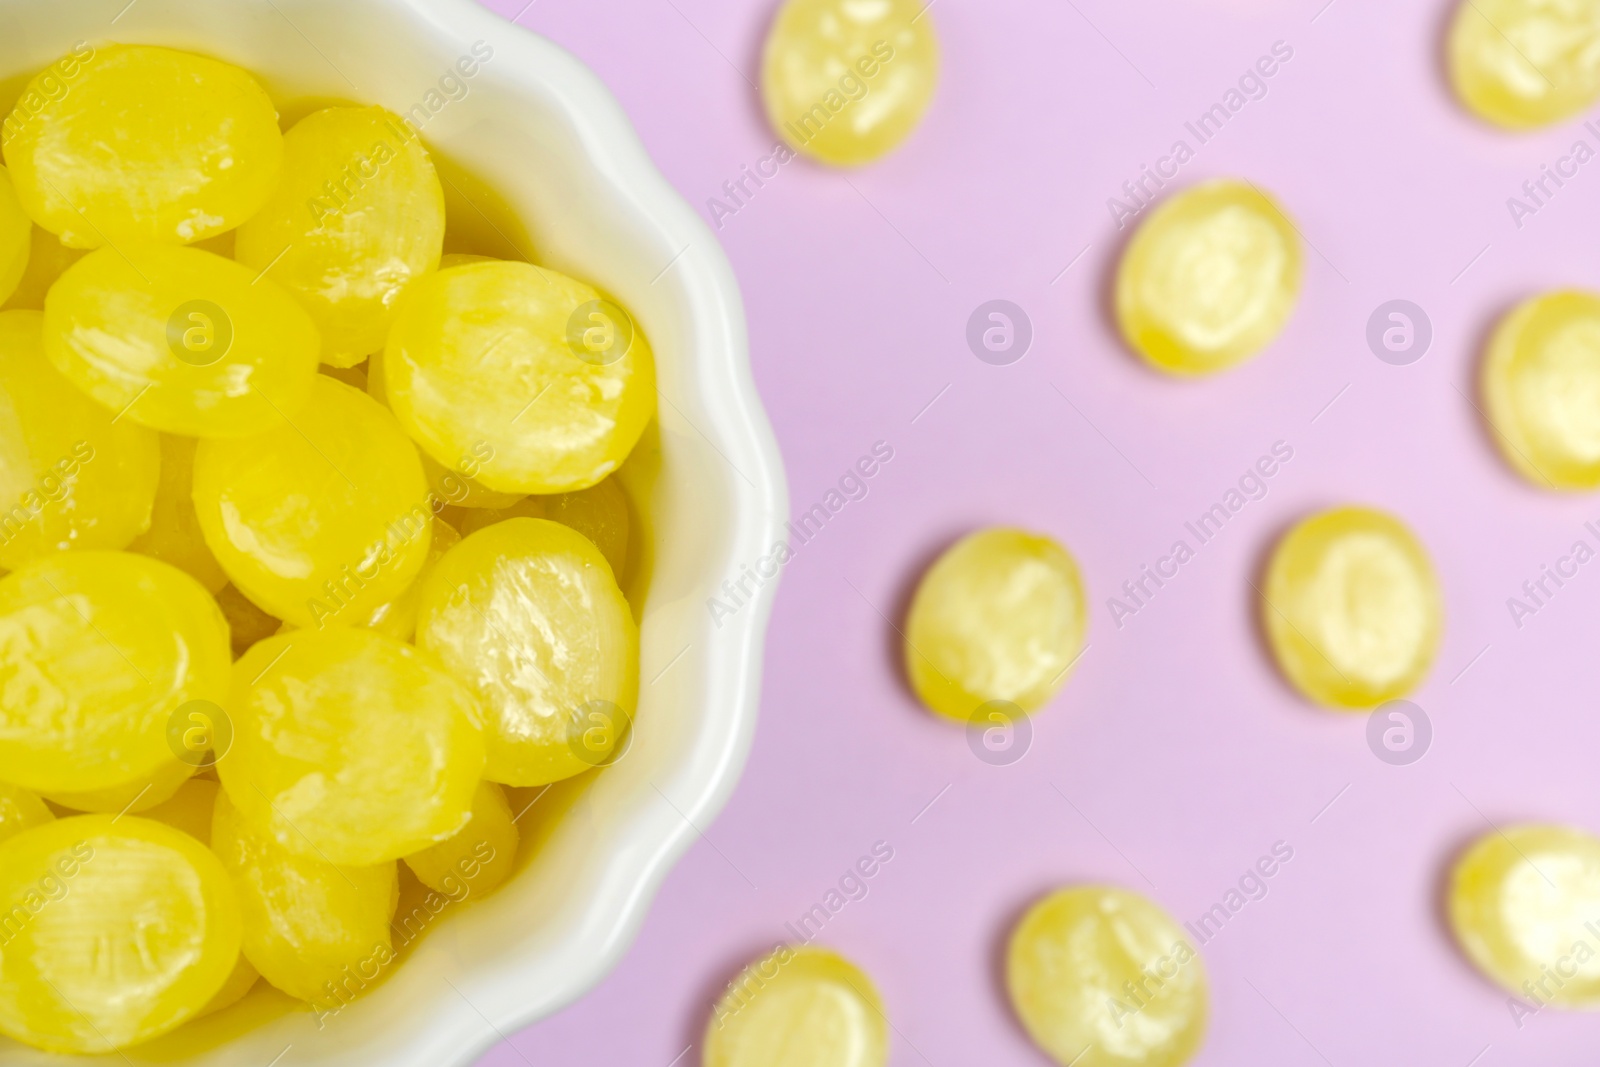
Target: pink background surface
1175	756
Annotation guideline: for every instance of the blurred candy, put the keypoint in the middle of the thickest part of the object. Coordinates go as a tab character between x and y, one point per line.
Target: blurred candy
1102	977
1541	383
1352	608
1525	63
844	81
174	536
999	617
799	1007
1209	279
478	858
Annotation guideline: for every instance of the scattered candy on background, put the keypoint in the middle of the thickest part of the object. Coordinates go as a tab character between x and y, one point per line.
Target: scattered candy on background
1185	754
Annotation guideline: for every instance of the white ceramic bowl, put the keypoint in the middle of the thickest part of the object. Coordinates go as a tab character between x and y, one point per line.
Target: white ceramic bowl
538	159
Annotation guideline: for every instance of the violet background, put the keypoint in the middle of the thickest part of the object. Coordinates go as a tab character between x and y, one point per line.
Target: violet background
1174	757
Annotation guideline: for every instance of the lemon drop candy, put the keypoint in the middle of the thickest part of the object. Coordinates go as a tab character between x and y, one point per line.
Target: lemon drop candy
98	651
123	929
174	535
72	476
799	1007
845	82
322	518
16	237
527	613
20	810
137	794
524	366
350	746
181	340
1525	63
1541	386
999	617
1522	901
1209	278
358	216
189	808
1352	608
127	143
247	623
478	858
308	925
599	512
1102	977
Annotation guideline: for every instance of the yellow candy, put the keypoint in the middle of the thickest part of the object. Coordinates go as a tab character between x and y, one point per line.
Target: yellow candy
844	81
1102	977
138	794
1352	608
189	809
1523	902
1525	63
120	930
48	259
526	612
247	623
181	340
1209	279
98	650
319	761
309	926
358	216
128	143
20	810
239	982
16	238
799	1007
480	857
398	617
1541	382
71	475
174	536
448	483
320	519
999	616
528	507
522	368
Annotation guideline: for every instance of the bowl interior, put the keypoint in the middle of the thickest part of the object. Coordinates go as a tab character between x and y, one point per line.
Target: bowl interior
540	164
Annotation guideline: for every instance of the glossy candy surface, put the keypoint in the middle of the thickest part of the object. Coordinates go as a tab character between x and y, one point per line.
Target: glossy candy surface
1102	977
844	81
358	216
1525	63
97	651
181	340
127	143
321	519
318	763
599	512
48	259
1209	279
1541	386
304	920
174	535
71	475
522	365
527	613
132	927
478	858
1352	608
999	616
1522	903
799	1007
